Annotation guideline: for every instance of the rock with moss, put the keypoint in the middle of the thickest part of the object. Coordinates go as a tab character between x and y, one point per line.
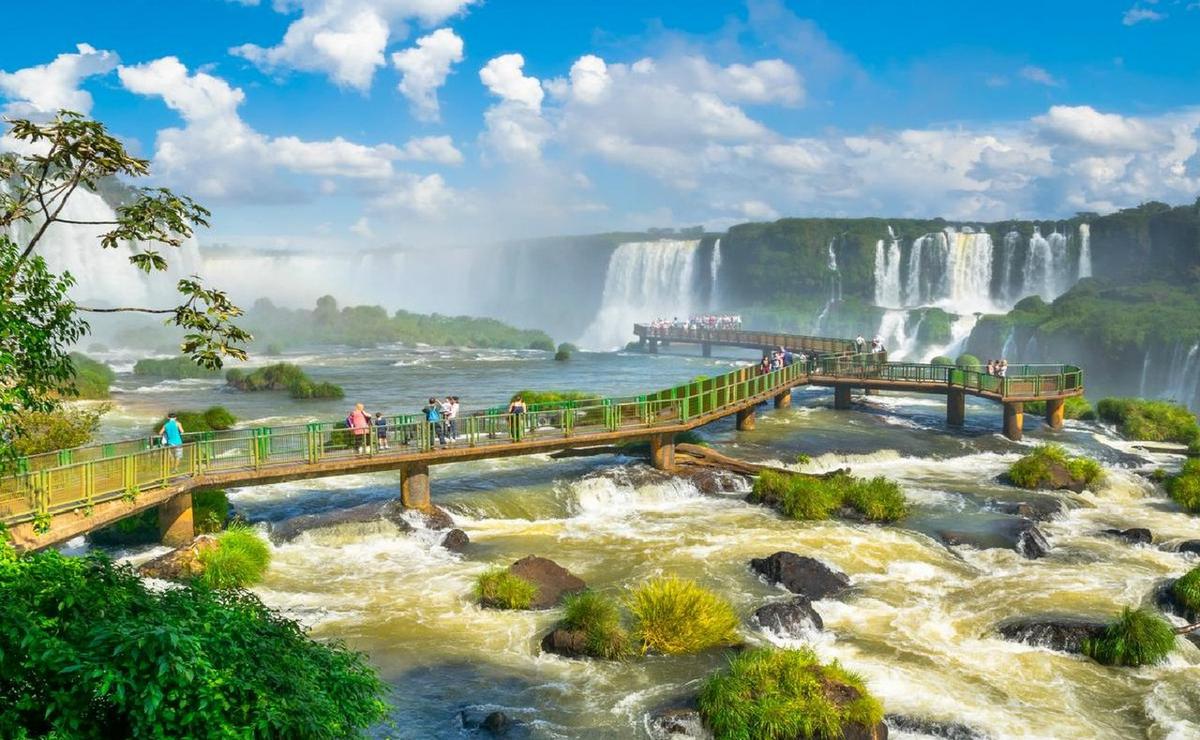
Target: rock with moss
1049	467
590	628
551	581
1137	637
809	497
282	376
91	377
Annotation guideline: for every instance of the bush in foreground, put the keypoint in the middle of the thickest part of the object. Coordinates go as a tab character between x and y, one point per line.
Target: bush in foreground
1153	421
1137	637
1184	486
39	432
87	651
240	559
771	694
968	362
210	510
498	588
599	619
806	498
1037	469
675	616
1187	589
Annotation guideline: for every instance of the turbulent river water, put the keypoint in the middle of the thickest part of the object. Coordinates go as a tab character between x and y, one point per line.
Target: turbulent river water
918	624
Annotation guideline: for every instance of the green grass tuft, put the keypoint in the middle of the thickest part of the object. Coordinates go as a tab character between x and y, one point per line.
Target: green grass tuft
1154	421
1138	637
599	618
1187	589
499	588
1184	486
210	510
675	616
877	499
806	498
771	694
240	559
1035	469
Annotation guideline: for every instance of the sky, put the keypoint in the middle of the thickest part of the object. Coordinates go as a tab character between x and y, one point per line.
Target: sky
352	124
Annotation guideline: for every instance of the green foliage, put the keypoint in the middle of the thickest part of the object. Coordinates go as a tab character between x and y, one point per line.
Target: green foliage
1154	421
1074	407
282	376
212	419
210	510
173	368
139	529
968	362
61	429
367	326
565	350
1184	486
92	378
500	588
1036	470
805	497
532	397
240	559
599	618
87	651
1138	637
674	616
1187	589
771	694
942	360
877	499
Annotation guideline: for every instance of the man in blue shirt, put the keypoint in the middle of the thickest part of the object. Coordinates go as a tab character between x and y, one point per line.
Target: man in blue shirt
172	436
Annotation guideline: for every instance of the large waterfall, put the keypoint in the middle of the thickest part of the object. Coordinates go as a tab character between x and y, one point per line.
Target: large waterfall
1046	271
645	281
1085	251
714	269
887	272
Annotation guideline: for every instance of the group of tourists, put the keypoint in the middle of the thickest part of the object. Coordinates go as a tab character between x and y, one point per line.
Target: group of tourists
860	345
703	321
779	358
441	415
999	368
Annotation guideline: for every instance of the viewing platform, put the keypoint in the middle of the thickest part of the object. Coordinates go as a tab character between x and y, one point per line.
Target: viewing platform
50	498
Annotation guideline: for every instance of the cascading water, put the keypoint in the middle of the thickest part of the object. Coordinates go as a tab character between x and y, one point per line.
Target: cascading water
714	269
1044	272
1184	378
645	281
835	288
1009	247
897	339
887	272
1085	251
967	280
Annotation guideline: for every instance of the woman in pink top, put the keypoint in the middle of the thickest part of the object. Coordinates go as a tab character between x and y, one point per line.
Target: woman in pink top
360	424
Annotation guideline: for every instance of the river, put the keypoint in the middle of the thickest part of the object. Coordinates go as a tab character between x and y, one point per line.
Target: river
918	624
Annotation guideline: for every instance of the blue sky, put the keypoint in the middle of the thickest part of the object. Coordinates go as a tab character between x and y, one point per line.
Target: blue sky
331	124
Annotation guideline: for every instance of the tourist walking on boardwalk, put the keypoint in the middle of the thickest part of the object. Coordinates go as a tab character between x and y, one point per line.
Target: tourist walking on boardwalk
171	435
433	417
453	417
359	422
516	409
381	431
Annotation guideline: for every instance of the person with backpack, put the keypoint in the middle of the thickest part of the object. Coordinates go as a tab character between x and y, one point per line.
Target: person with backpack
433	417
171	435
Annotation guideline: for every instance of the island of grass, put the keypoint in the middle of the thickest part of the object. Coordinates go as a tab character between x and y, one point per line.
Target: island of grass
173	368
1184	486
811	497
1152	421
1137	637
787	694
92	379
1074	407
211	419
282	376
1049	466
1186	590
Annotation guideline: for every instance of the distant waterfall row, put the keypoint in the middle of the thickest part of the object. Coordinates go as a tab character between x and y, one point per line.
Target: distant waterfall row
963	271
1172	373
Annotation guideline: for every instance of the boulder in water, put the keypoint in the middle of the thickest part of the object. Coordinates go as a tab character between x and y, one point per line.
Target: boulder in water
456	540
1165	599
934	728
791	618
182	564
1134	535
1040	509
801	575
676	723
493	724
1192	546
862	732
1065	634
552	580
436	518
1021	535
567	643
290	529
1032	543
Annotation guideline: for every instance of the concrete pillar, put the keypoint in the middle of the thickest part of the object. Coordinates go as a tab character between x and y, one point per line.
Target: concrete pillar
956	407
662	451
414	486
1054	413
706	349
745	420
1014	417
175	524
654	346
841	396
784	400
642	342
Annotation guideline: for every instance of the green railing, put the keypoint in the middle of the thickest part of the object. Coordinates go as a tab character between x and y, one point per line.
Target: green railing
1020	381
794	342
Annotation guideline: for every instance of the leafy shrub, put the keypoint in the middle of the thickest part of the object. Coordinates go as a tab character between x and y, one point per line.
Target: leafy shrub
92	378
210	510
1074	407
240	559
1184	486
88	652
61	429
877	499
771	694
599	618
212	419
1154	421
968	362
282	376
805	498
942	360
499	588
1036	469
675	616
1187	589
1138	637
173	368
544	344
565	350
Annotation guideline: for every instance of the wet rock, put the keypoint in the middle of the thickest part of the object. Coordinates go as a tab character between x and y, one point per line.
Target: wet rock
792	618
1031	543
1063	634
436	518
567	643
493	724
934	728
497	723
1039	509
712	482
1134	535
1021	535
182	564
801	575
290	529
676	723
862	732
456	540
1165	599
1192	546
553	580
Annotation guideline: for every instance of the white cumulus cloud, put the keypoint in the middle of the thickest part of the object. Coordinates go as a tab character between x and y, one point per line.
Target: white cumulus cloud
1138	14
424	69
505	79
47	88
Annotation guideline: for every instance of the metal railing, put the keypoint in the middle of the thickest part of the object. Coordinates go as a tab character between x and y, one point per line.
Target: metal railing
794	342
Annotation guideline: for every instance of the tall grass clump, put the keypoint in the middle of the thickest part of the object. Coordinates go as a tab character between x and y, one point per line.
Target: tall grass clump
1184	486
1036	469
1187	589
1154	421
1074	407
599	619
1137	637
877	499
675	616
805	498
500	588
240	559
772	694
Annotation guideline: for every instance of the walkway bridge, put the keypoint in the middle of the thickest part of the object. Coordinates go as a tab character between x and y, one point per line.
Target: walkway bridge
48	499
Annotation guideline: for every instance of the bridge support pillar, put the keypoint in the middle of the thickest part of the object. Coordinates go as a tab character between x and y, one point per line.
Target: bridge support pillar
841	397
784	400
706	349
175	525
662	451
414	486
654	346
1055	413
745	420
1014	417
641	344
956	407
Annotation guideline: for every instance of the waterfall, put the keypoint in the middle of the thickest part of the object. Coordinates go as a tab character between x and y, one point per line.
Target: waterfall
960	332
1010	345
913	294
835	288
1145	370
1045	266
968	277
1184	378
893	329
1085	251
714	269
644	281
887	273
1009	246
